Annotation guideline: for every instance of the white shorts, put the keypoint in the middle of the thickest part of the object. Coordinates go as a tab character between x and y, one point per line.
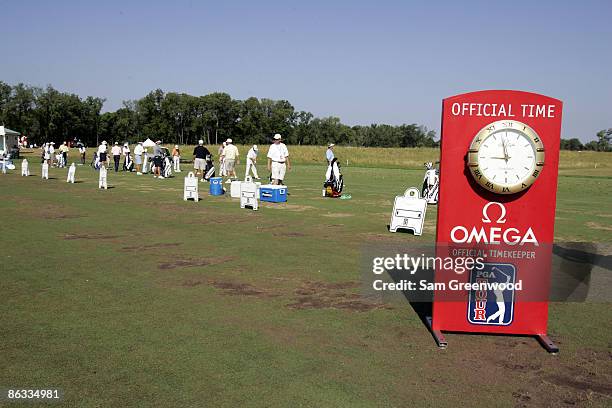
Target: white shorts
278	170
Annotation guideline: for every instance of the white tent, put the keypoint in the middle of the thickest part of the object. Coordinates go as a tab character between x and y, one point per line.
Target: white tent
148	143
8	139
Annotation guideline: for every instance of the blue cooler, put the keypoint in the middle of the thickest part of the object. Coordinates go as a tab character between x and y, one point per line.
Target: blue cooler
273	193
216	186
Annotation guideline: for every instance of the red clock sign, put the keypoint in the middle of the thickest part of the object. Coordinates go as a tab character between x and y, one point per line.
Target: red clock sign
498	184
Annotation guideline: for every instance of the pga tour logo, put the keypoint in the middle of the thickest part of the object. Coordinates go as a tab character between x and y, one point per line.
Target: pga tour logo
493	304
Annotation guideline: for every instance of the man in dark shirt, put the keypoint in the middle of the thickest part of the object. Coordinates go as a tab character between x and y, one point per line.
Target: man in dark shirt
199	162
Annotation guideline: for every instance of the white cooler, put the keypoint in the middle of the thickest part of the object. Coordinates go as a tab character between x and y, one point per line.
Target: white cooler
249	193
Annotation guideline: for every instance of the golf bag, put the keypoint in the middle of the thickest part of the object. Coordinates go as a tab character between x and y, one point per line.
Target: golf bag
59	159
95	163
431	184
209	170
334	182
166	167
128	164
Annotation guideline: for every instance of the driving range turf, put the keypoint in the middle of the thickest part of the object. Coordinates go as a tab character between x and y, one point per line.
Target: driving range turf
131	297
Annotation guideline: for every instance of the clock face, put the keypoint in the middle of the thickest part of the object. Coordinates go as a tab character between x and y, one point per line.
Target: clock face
506	157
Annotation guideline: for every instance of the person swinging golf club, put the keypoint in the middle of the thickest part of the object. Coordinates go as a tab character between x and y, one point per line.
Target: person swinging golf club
278	160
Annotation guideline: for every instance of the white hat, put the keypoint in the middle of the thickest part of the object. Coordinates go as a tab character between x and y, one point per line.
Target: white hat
176	146
331	145
116	143
229	140
158	142
53	143
126	144
224	144
139	142
200	142
104	142
277	136
254	147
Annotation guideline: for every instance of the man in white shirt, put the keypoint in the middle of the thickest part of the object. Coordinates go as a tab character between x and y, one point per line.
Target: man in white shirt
138	151
102	153
126	156
230	155
278	160
83	152
51	153
116	152
251	161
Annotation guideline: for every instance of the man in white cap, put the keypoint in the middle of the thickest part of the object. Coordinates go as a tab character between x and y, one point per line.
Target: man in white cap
222	172
251	160
199	161
102	153
278	160
329	154
51	153
116	152
176	159
230	154
126	156
138	152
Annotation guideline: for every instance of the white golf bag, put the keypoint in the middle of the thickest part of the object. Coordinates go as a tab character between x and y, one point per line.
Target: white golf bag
59	159
25	168
102	182
128	164
167	167
71	173
431	184
45	171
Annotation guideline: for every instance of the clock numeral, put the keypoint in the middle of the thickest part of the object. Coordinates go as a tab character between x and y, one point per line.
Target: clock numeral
490	186
523	185
537	140
491	128
505	190
478	174
536	173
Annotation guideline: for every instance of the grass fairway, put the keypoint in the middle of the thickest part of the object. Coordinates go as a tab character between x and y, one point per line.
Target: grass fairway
131	297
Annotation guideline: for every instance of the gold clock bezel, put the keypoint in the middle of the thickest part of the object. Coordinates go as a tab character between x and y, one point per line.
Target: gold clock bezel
494	127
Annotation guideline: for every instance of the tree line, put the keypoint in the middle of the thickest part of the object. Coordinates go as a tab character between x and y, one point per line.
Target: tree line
46	114
50	115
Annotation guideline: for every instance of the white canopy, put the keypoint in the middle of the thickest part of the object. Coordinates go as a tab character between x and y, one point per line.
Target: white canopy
8	139
148	143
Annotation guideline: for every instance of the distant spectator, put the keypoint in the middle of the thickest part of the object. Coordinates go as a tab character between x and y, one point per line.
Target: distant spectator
116	152
231	154
329	154
199	161
176	158
138	152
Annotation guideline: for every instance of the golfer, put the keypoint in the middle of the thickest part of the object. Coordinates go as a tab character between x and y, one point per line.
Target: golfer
126	153
176	158
116	152
157	160
222	171
278	160
102	153
138	151
199	162
83	152
64	149
51	150
251	160
230	154
329	154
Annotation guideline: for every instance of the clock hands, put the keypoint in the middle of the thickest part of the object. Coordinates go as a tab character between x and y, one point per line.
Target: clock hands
504	145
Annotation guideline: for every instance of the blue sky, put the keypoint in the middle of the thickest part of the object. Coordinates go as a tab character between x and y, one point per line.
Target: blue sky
366	62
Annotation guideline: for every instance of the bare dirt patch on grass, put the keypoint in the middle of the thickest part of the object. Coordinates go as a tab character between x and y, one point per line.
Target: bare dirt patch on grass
580	379
337	215
598	226
190	263
288	207
138	248
231	288
322	295
69	237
